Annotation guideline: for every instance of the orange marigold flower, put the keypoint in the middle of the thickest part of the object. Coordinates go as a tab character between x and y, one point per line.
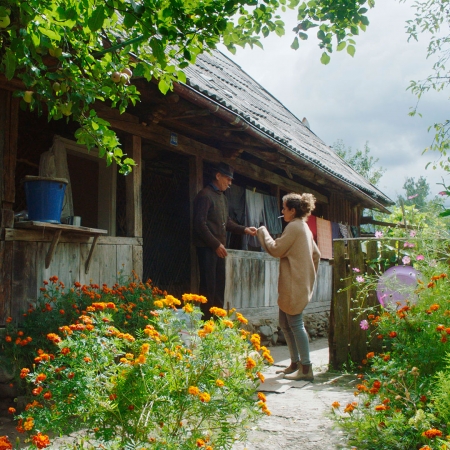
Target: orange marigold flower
41	440
200	443
370	355
335	405
393	334
447	330
5	443
41	377
350	407
37	391
53	337
380	408
28	424
48	395
70	375
193	390
9	320
8	338
432	433
262	397
24	372
219	383
386	357
426	447
218	311
11	410
204	397
260	376
250	363
434	307
440	328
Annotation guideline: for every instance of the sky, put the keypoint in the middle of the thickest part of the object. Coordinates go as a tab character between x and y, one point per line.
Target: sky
363	99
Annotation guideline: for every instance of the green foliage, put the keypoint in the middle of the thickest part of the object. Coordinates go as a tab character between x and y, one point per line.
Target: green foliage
432	18
416	192
399	399
361	161
129	370
70	54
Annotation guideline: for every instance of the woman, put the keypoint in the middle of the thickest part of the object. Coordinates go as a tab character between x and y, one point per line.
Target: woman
299	261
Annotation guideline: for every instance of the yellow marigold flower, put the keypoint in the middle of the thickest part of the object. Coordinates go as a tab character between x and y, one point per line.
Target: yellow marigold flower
172	301
193	390
145	348
123	360
262	397
218	311
188	308
158	304
129	356
228	323
241	318
200	443
204	397
255	338
28	424
250	363
268	357
141	359
219	383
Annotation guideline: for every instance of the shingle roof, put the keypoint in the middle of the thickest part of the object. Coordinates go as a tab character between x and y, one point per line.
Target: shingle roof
223	81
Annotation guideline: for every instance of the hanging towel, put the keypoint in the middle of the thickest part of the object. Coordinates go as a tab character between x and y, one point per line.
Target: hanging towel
312	224
324	238
335	232
254	217
355	231
273	223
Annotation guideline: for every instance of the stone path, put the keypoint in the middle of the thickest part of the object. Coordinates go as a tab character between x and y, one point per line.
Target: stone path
301	411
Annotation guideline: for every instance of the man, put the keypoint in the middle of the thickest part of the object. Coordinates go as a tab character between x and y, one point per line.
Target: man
211	223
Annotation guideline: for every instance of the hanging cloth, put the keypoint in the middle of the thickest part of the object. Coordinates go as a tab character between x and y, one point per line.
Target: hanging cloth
324	238
273	223
254	217
312	224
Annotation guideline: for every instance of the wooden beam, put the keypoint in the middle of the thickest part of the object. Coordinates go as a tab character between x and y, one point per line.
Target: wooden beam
164	137
195	185
133	188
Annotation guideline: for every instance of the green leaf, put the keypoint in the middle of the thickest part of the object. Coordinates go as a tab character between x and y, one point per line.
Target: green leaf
50	34
341	46
129	20
325	58
351	50
163	86
97	18
10	64
181	76
295	44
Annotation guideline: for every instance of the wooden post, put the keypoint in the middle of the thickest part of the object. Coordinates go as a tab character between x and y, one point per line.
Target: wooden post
357	336
339	308
133	188
195	185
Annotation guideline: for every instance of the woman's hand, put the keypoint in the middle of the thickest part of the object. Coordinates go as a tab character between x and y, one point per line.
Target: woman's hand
251	231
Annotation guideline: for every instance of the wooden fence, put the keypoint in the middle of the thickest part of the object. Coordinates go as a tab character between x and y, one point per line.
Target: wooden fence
347	341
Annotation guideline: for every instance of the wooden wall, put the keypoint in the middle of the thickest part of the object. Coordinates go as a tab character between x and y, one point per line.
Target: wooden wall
27	266
252	285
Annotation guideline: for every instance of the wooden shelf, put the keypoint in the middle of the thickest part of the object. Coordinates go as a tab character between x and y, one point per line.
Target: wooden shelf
58	229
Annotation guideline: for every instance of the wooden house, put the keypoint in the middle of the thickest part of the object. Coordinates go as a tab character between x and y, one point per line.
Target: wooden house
142	222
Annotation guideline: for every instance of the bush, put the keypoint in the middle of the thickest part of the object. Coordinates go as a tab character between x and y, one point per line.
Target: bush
147	378
402	393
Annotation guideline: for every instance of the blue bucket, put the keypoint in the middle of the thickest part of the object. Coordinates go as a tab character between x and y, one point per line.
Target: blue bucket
45	198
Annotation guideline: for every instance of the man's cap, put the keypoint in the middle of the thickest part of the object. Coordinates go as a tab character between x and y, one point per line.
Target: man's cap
225	169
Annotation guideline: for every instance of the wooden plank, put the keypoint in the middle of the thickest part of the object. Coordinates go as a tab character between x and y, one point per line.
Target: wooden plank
133	188
107	255
52	248
358	337
138	261
93	275
339	313
162	136
23	278
12	234
195	185
124	260
375	344
6	261
35	225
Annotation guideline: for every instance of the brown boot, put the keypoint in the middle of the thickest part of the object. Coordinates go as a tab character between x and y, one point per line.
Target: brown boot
304	373
291	369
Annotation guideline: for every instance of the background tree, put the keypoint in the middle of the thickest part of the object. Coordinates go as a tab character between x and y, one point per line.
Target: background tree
361	161
416	192
71	53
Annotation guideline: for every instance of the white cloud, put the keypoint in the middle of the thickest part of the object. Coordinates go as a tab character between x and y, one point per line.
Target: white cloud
361	99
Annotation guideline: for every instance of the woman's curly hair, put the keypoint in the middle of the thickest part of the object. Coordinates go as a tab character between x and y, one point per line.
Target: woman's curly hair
303	204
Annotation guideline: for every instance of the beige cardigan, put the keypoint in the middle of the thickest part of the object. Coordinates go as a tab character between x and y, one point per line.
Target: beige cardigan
299	261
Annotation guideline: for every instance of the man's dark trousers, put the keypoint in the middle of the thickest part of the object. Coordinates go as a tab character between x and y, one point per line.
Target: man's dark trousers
212	279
